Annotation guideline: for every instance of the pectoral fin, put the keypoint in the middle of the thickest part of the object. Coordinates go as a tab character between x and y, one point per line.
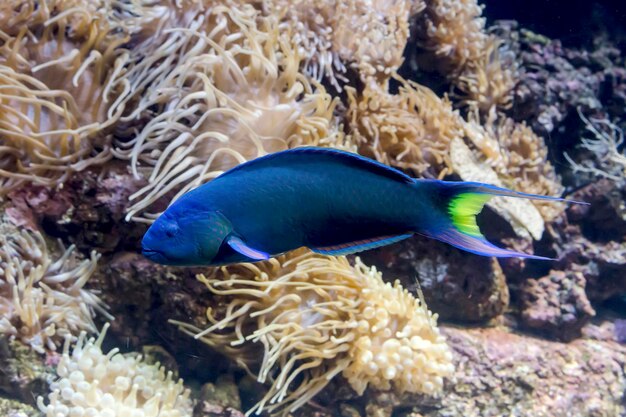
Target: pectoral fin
238	245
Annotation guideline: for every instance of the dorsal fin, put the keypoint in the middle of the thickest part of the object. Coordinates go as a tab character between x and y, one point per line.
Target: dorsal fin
293	155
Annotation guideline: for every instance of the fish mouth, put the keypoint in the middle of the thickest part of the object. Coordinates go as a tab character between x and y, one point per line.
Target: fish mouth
153	255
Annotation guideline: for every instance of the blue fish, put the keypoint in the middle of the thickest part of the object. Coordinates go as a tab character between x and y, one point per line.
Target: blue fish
331	201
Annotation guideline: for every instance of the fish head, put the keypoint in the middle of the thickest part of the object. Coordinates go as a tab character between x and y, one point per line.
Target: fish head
185	240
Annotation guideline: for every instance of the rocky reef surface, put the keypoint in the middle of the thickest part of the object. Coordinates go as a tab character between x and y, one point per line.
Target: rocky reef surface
110	110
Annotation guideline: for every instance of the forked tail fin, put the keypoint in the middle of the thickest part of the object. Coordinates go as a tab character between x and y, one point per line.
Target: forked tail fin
461	202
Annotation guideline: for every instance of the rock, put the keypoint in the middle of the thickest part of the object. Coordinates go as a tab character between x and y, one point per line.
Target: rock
620	330
154	354
207	409
380	404
24	373
555	81
87	210
602	265
556	304
251	391
347	410
499	373
143	297
604	218
223	393
374	410
14	408
136	291
457	285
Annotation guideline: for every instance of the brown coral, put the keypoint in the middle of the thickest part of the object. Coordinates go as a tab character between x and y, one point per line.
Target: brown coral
222	96
41	299
317	317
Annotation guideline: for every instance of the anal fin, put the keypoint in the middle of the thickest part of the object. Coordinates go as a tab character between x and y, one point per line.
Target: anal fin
360	245
477	244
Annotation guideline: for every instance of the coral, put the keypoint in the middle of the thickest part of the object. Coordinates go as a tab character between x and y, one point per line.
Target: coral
317	317
216	98
411	130
94	383
335	35
219	400
608	155
57	73
42	299
223	393
42	140
556	304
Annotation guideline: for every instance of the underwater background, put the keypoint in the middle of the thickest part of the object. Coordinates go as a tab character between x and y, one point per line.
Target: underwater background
111	110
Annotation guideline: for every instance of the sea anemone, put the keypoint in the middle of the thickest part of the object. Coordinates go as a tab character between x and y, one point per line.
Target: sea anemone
42	140
317	317
417	131
451	33
452	40
411	130
220	93
57	72
332	36
372	34
43	300
488	81
92	383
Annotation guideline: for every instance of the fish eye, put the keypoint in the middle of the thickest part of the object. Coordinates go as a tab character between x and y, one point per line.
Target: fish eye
170	229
